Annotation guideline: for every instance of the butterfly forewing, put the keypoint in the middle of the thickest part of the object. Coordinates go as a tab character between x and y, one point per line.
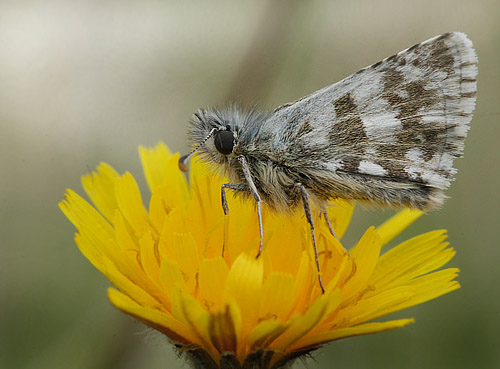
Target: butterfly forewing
401	120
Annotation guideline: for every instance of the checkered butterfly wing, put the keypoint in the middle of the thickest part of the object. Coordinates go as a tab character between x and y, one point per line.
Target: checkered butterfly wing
404	118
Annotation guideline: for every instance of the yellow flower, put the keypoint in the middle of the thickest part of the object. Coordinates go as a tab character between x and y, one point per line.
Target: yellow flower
183	268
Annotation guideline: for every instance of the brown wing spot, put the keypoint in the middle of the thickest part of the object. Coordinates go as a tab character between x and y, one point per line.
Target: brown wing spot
444	36
439	57
469	94
391	157
393	79
407	100
305	128
348	131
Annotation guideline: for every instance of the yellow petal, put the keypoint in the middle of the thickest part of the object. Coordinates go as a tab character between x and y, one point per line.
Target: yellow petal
242	232
132	290
130	204
377	305
353	331
159	207
244	283
432	285
277	296
125	239
172	278
200	168
365	255
206	211
155	319
212	276
206	188
419	255
397	224
265	332
166	182
417	291
161	169
96	238
150	260
164	199
303	282
340	214
301	325
100	188
280	232
222	330
192	314
154	163
126	265
184	251
174	223
80	212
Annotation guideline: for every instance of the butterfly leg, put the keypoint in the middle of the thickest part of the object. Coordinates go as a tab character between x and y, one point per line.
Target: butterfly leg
325	215
307	211
224	187
253	190
230	186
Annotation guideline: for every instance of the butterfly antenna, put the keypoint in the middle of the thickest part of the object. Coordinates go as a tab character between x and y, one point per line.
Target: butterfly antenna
184	159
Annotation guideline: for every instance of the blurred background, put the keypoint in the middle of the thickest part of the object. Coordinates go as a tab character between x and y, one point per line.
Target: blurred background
87	81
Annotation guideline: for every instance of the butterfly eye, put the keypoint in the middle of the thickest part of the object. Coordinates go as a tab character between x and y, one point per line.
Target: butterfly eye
224	142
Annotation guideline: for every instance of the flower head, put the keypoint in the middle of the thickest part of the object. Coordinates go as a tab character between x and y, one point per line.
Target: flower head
186	270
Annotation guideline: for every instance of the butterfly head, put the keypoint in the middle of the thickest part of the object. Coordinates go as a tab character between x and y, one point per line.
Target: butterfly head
213	134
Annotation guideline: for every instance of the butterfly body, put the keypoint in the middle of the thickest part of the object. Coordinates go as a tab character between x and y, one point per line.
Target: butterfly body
387	134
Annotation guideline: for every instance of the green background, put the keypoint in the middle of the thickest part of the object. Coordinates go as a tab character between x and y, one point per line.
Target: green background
88	81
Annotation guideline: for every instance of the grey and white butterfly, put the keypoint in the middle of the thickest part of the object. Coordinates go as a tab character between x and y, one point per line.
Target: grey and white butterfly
387	134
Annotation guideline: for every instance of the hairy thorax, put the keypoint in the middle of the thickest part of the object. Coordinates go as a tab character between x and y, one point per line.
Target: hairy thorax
277	185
